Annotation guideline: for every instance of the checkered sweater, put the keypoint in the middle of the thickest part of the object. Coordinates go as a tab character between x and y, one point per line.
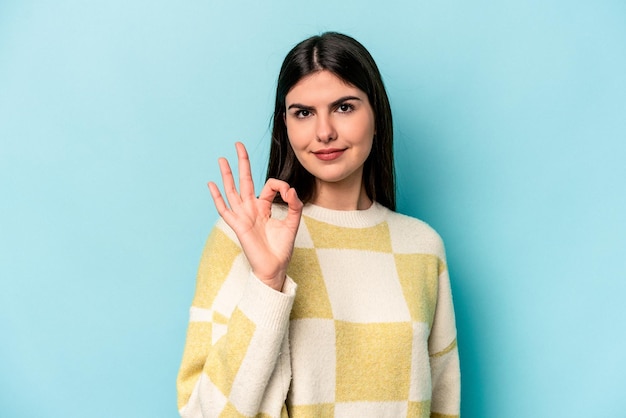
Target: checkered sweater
364	326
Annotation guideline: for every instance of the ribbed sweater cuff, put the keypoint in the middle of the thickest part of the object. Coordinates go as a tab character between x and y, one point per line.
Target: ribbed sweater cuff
265	306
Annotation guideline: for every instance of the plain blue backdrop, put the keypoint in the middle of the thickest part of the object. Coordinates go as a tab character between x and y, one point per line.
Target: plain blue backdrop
510	122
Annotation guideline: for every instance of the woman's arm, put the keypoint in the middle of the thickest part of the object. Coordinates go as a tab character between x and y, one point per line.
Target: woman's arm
444	355
236	357
235	353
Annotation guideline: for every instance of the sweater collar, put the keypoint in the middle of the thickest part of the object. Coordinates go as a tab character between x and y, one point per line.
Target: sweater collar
371	216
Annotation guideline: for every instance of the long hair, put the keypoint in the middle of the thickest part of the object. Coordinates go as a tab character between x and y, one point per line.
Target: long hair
350	61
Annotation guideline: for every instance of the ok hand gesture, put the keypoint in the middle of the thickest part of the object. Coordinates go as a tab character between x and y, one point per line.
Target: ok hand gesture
266	242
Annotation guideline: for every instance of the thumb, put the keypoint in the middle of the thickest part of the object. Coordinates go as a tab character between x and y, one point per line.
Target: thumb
294	208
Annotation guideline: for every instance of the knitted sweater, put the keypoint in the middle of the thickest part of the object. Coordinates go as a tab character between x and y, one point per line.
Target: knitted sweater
364	326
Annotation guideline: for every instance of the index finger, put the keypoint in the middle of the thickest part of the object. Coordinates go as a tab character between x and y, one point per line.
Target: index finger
246	184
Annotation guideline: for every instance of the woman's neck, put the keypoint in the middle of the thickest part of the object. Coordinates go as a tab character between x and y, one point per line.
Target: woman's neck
338	196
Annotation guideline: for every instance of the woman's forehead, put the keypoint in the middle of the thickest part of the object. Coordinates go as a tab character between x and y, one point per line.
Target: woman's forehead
321	86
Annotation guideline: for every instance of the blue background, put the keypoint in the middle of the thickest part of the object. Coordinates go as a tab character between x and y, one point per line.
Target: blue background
510	123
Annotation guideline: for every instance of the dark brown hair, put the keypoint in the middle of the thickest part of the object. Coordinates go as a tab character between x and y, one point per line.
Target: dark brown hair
350	61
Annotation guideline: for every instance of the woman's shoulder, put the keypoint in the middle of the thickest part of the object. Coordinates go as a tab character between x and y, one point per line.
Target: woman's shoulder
411	223
412	235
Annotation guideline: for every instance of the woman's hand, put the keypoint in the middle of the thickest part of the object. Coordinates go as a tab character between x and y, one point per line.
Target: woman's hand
266	242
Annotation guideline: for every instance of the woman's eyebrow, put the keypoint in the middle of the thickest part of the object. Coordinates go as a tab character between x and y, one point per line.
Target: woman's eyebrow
332	105
300	106
343	99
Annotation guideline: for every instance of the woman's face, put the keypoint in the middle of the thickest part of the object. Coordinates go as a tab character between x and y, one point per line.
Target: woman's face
330	125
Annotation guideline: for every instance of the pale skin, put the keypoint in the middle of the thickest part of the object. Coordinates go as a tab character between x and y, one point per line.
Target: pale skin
323	114
266	242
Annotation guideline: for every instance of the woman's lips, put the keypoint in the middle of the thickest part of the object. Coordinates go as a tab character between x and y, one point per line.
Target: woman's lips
329	154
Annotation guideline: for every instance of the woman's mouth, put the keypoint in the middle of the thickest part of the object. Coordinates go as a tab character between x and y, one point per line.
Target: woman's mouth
329	154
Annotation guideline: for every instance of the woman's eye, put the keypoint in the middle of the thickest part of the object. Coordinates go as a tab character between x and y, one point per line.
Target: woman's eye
345	107
303	113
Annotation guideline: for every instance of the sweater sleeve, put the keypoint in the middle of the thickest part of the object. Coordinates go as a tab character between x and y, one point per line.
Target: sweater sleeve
236	357
444	355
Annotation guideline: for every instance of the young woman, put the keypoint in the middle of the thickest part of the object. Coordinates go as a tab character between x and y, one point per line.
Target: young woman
315	298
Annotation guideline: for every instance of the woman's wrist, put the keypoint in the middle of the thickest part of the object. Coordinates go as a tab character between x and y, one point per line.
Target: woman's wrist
275	281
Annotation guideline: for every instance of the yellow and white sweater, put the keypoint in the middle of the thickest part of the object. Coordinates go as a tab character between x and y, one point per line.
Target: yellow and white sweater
364	326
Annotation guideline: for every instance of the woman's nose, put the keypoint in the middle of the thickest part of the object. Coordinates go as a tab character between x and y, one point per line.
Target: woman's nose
325	129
